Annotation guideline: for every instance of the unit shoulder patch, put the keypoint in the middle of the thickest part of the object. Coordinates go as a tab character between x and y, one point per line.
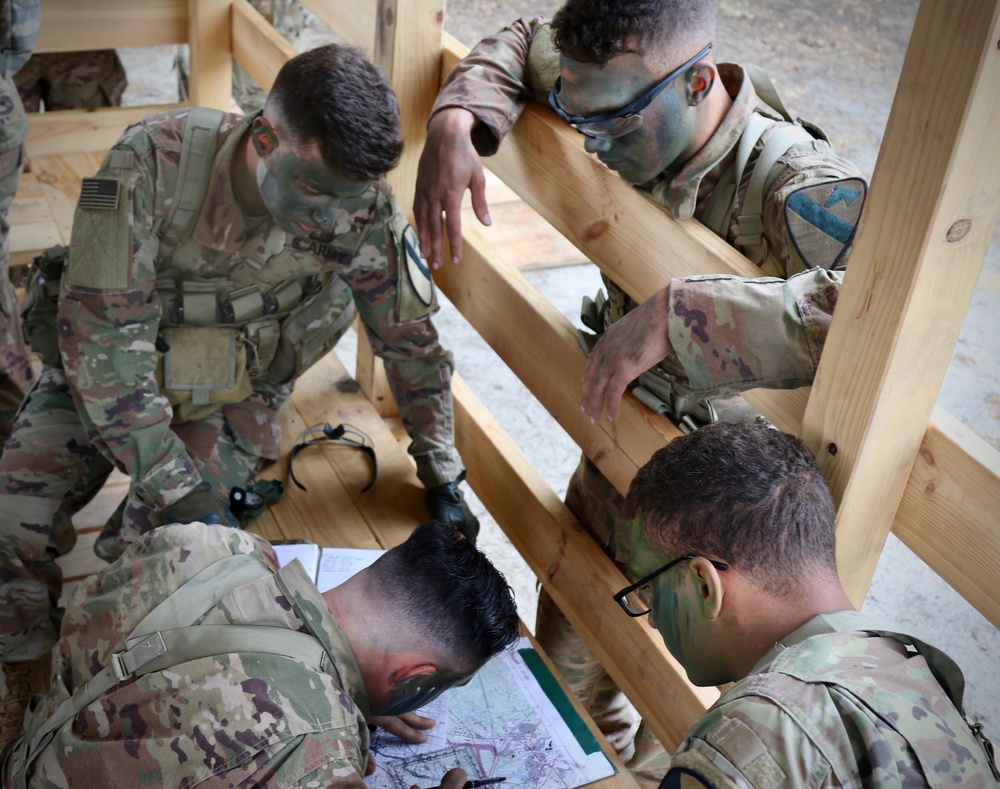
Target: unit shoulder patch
822	219
417	298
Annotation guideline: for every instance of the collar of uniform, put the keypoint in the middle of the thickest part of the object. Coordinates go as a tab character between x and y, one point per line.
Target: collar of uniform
679	191
822	624
314	612
221	224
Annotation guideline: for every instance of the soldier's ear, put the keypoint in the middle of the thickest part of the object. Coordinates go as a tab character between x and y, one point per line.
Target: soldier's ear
263	136
698	81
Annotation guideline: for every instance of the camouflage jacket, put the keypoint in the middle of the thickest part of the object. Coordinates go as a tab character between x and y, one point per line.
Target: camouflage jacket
110	312
728	333
19	25
842	709
245	719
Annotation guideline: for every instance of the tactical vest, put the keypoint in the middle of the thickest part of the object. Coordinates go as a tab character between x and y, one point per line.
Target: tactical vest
656	389
743	751
271	318
166	637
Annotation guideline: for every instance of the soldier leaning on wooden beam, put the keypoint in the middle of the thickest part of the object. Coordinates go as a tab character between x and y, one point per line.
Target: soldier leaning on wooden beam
709	141
19	25
733	543
214	258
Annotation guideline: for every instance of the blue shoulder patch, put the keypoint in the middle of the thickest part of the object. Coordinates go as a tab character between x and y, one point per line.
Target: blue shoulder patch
822	219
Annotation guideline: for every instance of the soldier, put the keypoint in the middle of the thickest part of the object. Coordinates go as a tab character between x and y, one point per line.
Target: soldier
639	81
18	31
72	80
259	680
733	544
214	258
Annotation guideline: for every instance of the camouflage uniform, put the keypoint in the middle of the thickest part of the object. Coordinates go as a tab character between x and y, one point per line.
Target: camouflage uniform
72	80
729	334
848	708
18	30
108	409
243	719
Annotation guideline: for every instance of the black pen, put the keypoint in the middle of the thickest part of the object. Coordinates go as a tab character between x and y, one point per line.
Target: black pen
478	782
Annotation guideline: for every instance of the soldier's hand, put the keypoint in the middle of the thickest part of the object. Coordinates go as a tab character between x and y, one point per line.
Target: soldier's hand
629	347
447	504
448	166
455	778
406	726
199	505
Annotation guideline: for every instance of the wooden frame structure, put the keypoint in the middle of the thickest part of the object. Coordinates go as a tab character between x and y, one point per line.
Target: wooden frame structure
893	461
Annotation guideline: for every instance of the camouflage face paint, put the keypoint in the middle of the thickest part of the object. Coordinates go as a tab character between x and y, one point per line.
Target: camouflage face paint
300	191
415	692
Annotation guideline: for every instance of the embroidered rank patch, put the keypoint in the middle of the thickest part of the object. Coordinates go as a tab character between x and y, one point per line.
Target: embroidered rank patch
416	267
100	193
822	218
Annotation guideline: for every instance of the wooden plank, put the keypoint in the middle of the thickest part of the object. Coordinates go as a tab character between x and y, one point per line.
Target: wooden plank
949	512
351	21
575	571
107	24
912	275
258	47
69	131
620	228
209	32
541	347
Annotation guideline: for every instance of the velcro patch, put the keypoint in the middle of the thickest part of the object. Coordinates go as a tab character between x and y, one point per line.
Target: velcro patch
416	267
100	193
822	219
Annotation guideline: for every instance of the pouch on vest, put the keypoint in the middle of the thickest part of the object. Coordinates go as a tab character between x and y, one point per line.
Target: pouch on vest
41	304
204	368
311	330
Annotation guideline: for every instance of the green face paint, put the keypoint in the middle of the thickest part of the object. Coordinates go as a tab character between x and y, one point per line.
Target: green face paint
415	692
301	192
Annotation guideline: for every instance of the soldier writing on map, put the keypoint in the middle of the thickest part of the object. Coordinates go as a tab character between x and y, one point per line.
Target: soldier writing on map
261	681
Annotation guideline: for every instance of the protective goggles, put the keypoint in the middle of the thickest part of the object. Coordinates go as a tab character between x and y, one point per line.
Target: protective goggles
610	124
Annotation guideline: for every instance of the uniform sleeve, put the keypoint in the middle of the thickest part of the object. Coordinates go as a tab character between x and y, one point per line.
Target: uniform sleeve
731	334
399	328
109	316
497	78
328	759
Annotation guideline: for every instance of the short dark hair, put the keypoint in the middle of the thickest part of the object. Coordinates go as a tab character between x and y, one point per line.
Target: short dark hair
451	592
594	31
336	96
742	493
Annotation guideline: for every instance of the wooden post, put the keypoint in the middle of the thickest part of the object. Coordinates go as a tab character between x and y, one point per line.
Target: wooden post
929	219
408	48
210	36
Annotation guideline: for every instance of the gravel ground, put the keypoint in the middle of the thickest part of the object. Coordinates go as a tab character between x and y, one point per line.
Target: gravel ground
835	62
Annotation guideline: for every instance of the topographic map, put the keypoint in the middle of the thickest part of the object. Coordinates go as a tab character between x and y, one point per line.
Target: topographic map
511	720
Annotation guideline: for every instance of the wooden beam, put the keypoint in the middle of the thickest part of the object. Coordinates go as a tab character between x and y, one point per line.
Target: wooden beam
209	31
350	20
912	274
106	24
949	512
70	131
575	571
541	347
257	46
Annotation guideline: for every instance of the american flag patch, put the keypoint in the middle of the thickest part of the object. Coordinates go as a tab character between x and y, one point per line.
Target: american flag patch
99	193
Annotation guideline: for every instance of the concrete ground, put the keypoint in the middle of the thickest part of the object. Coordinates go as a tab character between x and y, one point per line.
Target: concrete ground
836	62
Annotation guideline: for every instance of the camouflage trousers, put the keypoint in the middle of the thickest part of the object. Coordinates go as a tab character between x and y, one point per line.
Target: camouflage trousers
596	503
72	80
52	467
15	362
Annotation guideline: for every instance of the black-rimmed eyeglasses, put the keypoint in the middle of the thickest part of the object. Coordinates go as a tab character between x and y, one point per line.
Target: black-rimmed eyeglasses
636	600
610	124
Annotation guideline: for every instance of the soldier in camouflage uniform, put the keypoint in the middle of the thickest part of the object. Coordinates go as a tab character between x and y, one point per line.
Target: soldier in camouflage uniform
181	338
733	542
72	80
18	31
639	81
426	616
